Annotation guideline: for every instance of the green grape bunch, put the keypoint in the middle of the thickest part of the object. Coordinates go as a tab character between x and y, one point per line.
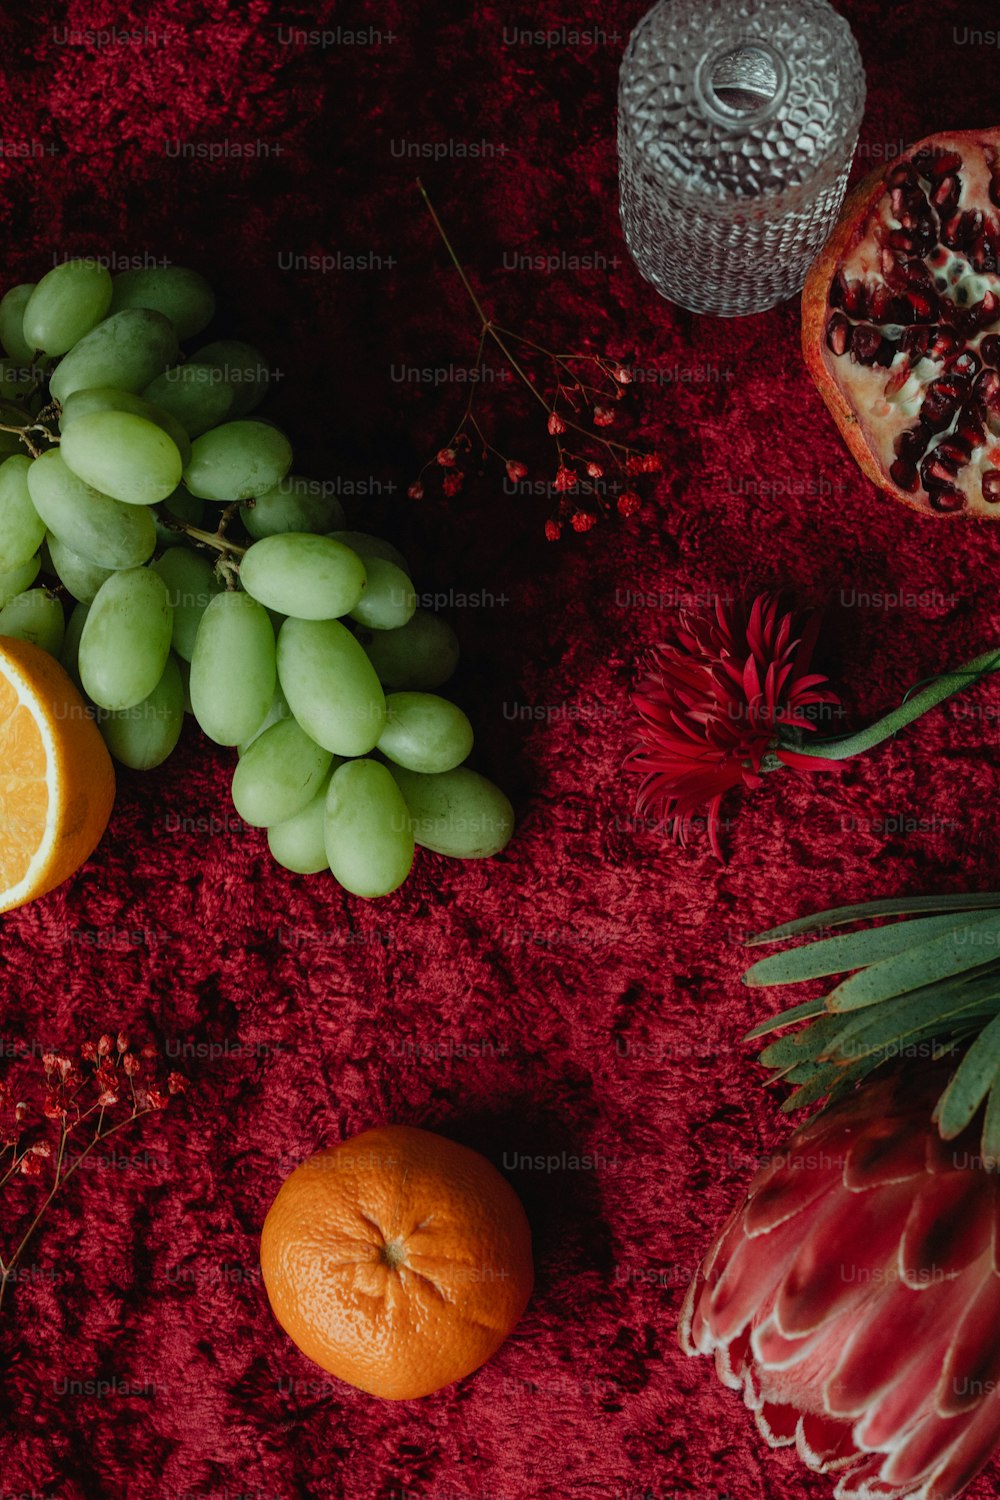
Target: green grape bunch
140	494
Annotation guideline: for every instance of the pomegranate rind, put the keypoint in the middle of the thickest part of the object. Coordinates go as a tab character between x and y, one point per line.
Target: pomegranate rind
816	310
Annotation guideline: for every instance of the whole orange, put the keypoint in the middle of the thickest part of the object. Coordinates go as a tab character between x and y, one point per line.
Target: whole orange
399	1261
57	783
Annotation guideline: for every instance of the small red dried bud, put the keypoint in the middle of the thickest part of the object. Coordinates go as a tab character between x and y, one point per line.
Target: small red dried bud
603	416
149	1052
20	1112
177	1083
582	520
122	1042
553	531
622	374
132	1065
446	458
40	1148
556	423
595	471
416	491
516	470
104	1045
156	1099
31	1166
643	463
89	1052
49	1061
107	1097
628	503
453	482
53	1108
565	480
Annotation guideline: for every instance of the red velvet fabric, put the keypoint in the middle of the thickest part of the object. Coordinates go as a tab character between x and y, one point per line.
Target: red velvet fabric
579	997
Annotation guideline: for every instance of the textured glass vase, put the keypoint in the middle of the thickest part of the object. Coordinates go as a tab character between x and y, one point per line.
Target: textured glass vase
737	123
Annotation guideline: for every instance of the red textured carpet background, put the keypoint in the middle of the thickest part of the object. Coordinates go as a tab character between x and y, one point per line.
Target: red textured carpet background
579	994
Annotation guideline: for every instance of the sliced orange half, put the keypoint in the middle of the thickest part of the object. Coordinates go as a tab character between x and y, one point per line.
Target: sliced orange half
57	783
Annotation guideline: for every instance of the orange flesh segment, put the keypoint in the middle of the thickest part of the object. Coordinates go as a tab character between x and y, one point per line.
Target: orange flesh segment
24	792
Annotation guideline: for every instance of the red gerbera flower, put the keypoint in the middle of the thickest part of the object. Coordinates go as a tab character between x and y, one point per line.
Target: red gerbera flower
713	703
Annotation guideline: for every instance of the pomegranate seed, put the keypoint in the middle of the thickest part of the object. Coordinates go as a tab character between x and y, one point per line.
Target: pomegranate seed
945	196
865	344
991	486
943	343
944	396
904	474
838	334
966	363
983	255
940	166
989	350
937	470
969	428
902	175
985	313
855	299
923	306
948	500
914	343
911	444
954	451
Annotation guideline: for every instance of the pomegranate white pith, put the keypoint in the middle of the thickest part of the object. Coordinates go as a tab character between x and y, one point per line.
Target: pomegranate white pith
910	338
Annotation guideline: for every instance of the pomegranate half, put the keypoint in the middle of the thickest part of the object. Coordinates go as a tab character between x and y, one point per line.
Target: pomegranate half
901	324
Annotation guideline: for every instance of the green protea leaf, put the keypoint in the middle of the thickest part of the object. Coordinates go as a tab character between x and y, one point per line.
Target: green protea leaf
891	907
927	985
973	1079
849	950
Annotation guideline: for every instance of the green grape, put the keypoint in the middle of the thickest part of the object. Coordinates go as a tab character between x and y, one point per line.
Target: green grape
278	775
126	640
123	456
424	733
144	735
296	504
192	584
12	323
196	395
181	295
243	368
389	601
370	546
17	580
67	303
232	668
126	351
237	460
100	529
69	656
182	506
308	577
299	844
369	843
421	654
330	685
78	574
278	710
106	398
34	616
458	813
21	527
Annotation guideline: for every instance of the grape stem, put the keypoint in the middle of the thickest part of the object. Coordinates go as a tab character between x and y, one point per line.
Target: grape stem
215	539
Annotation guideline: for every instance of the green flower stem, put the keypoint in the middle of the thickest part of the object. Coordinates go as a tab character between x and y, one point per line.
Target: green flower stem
911	708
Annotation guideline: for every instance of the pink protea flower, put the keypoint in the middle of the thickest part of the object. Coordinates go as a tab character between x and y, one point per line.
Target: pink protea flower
854	1298
712	705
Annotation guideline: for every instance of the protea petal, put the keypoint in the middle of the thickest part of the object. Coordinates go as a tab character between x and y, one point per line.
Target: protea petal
855	1297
